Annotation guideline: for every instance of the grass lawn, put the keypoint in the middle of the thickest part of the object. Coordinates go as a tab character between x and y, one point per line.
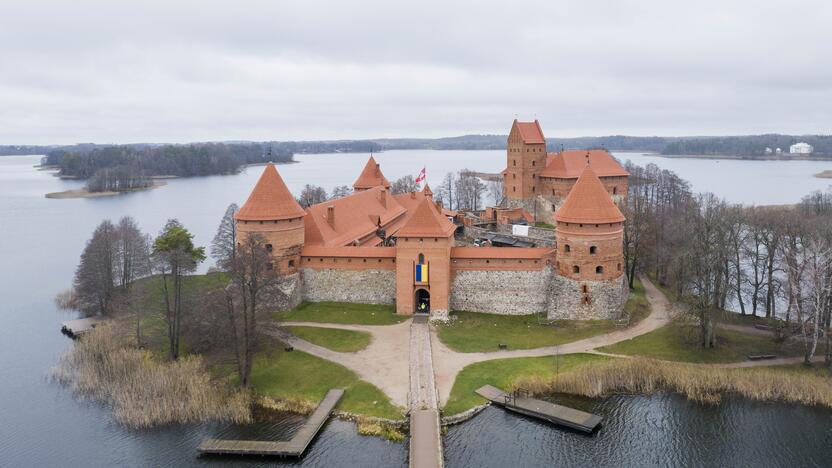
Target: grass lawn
502	373
345	341
678	343
475	331
637	306
544	225
342	312
300	376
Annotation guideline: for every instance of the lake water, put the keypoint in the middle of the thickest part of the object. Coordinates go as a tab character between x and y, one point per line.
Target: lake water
42	424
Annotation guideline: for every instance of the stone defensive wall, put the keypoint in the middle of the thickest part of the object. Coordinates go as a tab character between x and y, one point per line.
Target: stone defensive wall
500	280
364	275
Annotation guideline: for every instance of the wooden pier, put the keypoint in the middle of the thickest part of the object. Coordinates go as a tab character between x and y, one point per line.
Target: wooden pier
289	448
75	328
556	414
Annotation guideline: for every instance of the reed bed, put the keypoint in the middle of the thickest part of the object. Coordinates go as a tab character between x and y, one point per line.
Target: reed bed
288	405
142	391
704	384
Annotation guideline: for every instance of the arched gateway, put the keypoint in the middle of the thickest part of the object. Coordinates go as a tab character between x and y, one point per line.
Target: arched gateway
422	301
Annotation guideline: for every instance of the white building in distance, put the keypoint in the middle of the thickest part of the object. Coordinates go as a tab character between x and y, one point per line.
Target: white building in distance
801	148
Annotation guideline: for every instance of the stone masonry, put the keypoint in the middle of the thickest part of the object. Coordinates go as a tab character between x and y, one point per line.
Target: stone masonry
361	286
501	292
586	300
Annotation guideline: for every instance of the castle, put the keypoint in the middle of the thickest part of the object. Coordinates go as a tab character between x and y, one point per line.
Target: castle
377	247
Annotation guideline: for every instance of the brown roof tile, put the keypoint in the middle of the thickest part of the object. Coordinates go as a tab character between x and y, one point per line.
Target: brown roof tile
371	176
426	221
501	252
270	200
588	202
530	132
569	164
356	217
372	252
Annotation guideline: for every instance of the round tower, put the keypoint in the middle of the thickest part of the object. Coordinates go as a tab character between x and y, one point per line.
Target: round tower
590	250
272	212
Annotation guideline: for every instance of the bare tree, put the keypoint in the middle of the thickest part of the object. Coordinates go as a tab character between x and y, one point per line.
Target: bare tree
133	253
495	190
95	275
311	195
175	256
404	184
253	274
225	240
341	191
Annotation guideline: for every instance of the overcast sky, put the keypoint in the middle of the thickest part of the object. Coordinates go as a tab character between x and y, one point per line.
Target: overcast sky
108	72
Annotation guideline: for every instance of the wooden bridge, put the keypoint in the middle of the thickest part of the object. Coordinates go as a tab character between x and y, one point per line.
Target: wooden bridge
290	448
557	414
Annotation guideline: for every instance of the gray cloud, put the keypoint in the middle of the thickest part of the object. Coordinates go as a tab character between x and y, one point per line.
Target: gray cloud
184	71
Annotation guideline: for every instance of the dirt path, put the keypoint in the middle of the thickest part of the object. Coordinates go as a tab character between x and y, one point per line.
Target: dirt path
448	363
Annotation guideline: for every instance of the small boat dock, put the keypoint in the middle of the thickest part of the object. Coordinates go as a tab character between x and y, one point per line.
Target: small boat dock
76	328
520	402
289	448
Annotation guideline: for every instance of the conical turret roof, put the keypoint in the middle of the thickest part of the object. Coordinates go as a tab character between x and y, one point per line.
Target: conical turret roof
426	221
371	176
270	200
588	202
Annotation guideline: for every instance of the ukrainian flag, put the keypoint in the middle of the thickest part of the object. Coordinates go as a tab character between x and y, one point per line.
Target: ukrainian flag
421	273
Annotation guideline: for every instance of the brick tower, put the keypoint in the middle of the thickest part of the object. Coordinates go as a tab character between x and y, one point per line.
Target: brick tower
525	159
423	261
590	252
273	212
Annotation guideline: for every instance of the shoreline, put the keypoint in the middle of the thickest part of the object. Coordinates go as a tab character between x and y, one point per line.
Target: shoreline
84	193
786	157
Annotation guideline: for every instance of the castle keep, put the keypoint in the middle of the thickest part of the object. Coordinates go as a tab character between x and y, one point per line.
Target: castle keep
381	248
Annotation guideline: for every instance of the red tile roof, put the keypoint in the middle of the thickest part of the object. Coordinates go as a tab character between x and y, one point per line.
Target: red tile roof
501	252
530	132
356	217
371	176
588	202
427	221
569	164
427	191
373	252
270	200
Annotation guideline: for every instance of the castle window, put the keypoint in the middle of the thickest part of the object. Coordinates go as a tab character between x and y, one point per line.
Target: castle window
379	260
421	259
553	192
261	222
567	248
514	189
619	267
308	260
514	176
585	289
576	269
593	250
514	162
269	248
614	190
532	163
291	263
599	269
269	266
321	259
365	260
533	189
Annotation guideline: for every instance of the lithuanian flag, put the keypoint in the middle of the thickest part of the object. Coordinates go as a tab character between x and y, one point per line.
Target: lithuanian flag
421	273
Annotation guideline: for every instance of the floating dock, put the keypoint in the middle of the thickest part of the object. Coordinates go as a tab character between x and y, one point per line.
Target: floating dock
75	328
289	448
556	414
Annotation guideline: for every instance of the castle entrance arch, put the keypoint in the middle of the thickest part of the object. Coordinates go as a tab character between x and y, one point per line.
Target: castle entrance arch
422	302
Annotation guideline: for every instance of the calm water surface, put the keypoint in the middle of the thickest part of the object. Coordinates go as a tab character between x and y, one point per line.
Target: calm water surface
42	424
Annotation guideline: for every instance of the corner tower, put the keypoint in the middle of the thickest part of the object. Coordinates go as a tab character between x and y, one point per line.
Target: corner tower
590	253
272	212
525	159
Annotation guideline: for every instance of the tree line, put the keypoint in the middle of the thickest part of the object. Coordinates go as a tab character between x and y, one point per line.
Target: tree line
774	262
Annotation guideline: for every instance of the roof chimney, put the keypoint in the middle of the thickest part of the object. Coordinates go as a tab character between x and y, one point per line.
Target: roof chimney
382	197
330	216
412	195
378	169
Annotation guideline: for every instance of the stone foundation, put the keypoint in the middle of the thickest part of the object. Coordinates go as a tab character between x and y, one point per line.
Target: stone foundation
285	295
508	292
604	300
360	286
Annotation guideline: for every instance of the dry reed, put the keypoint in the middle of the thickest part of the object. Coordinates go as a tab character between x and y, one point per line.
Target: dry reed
704	384
142	391
288	405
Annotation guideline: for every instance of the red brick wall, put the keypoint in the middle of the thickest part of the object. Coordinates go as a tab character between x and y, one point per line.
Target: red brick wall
574	242
285	236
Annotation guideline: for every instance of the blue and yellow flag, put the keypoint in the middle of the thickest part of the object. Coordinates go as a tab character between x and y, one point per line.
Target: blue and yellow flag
421	273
